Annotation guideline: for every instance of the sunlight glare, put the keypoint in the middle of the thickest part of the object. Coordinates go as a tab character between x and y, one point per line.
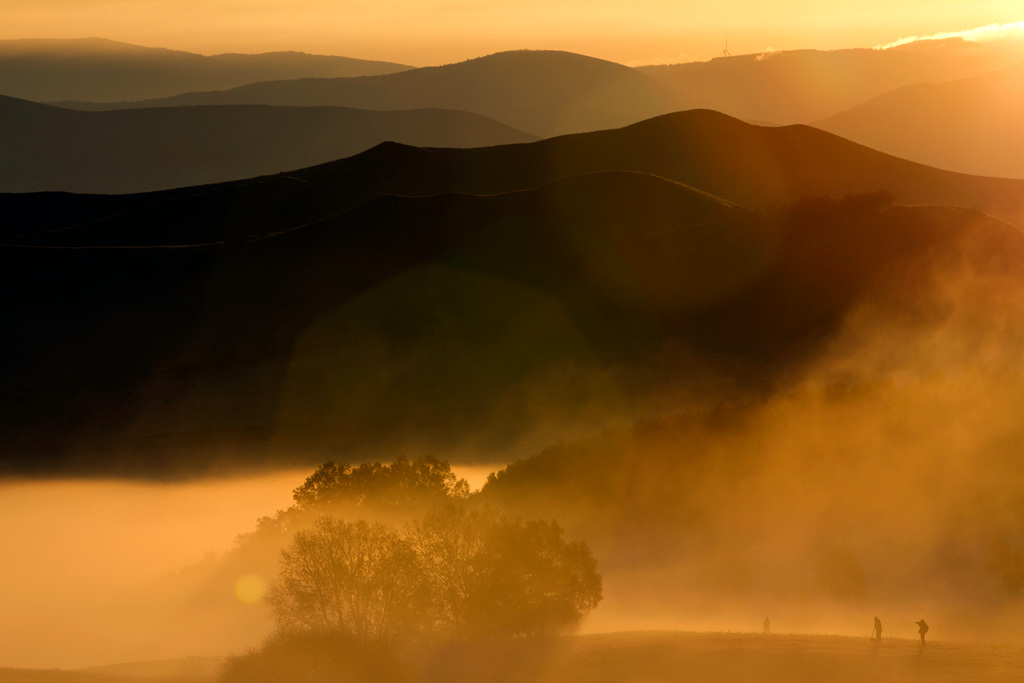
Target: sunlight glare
250	588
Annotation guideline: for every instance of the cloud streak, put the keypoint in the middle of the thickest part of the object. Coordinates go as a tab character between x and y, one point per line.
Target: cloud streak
974	35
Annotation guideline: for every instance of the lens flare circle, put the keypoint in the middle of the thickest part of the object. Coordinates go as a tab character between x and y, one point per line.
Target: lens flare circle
250	588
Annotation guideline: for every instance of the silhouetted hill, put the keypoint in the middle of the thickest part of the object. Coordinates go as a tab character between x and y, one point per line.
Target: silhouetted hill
47	148
105	70
972	125
405	319
801	86
542	92
757	167
405	293
484	287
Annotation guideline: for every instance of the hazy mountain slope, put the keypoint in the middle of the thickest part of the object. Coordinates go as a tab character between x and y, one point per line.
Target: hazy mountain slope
47	148
454	321
753	166
105	70
542	92
899	440
801	86
972	125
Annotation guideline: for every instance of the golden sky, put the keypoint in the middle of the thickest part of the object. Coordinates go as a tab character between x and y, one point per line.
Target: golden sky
424	32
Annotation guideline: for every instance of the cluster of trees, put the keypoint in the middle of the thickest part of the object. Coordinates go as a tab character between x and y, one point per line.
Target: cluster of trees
402	483
454	573
401	489
443	572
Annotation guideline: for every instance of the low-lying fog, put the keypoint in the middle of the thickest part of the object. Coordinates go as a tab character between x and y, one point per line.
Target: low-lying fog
79	555
884	481
84	563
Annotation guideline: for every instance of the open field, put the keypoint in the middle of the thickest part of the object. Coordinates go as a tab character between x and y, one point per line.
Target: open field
723	658
646	657
185	670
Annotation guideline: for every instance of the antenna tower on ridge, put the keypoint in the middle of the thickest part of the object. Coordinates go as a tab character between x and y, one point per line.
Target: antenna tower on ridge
725	52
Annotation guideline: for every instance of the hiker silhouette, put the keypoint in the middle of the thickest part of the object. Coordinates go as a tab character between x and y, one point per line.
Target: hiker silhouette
876	634
922	628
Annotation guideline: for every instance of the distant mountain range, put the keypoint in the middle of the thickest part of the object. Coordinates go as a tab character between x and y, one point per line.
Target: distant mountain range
48	148
457	299
541	92
95	69
801	86
974	125
947	103
798	86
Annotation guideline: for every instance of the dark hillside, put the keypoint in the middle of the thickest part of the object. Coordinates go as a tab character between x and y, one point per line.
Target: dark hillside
423	277
400	318
752	166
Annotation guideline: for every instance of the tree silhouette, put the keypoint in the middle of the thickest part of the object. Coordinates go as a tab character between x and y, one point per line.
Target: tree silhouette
402	483
455	573
355	578
527	580
446	543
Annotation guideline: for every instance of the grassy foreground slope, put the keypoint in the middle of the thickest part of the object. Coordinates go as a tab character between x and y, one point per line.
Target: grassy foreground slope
725	658
661	656
185	670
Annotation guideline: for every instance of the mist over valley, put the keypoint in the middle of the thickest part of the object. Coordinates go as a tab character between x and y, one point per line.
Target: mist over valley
534	366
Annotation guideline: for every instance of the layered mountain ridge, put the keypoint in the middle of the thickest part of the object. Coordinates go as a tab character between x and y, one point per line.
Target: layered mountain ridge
390	297
47	148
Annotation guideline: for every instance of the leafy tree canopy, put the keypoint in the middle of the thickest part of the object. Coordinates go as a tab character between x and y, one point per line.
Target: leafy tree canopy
455	573
402	483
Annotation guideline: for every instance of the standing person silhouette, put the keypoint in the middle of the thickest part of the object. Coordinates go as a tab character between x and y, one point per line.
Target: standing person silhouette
922	628
876	634
767	626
